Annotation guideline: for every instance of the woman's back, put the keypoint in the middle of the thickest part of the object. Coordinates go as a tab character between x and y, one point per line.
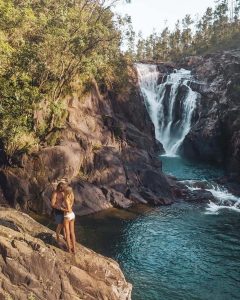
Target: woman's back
70	199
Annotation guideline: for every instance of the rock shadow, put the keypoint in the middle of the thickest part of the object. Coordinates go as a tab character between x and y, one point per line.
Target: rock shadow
48	239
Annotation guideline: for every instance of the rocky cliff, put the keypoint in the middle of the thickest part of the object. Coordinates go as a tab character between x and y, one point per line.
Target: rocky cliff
32	267
106	150
215	134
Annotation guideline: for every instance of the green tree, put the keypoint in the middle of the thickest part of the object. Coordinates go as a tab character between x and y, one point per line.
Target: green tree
47	48
131	37
175	42
140	50
218	28
186	36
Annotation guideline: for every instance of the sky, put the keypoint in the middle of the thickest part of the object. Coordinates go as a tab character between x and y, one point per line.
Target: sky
153	14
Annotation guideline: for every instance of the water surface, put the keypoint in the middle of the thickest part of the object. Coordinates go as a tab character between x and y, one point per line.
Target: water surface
179	252
176	252
170	253
185	169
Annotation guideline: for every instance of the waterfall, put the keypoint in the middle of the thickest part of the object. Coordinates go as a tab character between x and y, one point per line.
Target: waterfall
170	104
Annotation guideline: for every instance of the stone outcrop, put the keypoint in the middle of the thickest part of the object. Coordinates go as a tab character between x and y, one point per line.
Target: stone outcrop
106	150
33	267
215	134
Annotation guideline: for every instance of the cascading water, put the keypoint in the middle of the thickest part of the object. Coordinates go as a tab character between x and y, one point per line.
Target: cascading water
170	104
223	198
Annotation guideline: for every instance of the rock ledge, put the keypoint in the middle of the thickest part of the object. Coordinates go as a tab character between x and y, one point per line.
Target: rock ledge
33	267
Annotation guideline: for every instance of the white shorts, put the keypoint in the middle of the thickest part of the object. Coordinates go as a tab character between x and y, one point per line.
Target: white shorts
70	216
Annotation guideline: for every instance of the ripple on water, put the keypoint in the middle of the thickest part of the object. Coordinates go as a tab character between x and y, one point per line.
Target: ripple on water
177	252
172	253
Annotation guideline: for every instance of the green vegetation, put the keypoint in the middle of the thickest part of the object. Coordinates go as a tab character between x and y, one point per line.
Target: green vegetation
218	29
54	137
48	49
96	147
31	296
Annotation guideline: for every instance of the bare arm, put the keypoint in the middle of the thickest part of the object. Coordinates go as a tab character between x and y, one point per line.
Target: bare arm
54	199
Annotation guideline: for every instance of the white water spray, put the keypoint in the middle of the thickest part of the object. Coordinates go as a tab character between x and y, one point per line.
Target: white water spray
223	199
170	104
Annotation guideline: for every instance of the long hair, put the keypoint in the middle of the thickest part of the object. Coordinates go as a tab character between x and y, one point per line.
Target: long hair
68	191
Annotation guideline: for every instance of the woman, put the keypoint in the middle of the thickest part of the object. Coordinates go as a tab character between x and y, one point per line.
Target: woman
69	219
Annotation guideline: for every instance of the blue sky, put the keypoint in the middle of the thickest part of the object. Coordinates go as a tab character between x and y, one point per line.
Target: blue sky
149	14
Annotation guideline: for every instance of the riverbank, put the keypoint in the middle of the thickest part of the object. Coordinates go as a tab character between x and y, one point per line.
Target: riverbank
33	266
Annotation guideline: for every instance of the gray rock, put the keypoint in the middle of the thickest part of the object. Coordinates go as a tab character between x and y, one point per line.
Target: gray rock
215	134
34	267
117	199
200	196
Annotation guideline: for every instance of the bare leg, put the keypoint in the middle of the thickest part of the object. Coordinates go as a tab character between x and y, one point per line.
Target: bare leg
58	230
72	233
67	232
64	234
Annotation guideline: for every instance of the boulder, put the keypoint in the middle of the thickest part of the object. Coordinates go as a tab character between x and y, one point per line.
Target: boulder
108	169
14	189
153	198
137	198
200	196
117	199
157	183
89	198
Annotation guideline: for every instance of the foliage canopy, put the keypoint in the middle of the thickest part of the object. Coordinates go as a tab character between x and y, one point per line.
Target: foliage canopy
217	29
47	47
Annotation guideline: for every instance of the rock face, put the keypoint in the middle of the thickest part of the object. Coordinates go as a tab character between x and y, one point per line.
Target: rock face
107	152
32	267
215	134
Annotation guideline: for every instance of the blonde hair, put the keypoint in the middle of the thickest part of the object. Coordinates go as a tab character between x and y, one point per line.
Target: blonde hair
68	190
69	194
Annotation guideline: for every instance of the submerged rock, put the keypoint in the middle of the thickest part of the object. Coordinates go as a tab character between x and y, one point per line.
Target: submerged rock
200	196
33	266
